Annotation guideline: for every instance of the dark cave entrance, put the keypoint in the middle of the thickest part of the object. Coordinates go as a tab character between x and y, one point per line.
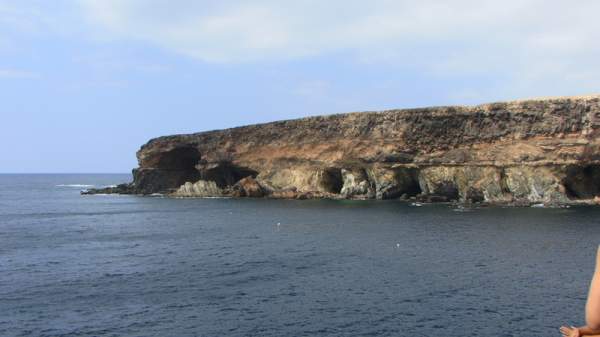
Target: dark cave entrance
179	159
226	174
582	182
332	180
172	169
407	180
448	190
412	190
405	184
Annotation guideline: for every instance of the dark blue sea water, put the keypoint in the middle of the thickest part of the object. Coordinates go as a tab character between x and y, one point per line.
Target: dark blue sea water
74	265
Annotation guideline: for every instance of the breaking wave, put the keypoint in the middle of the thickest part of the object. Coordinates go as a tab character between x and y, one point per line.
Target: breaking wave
74	185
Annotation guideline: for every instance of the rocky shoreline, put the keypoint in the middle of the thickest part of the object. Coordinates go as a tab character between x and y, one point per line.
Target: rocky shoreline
418	200
540	151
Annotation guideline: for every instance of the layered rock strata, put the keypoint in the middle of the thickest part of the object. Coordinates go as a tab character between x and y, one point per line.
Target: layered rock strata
531	151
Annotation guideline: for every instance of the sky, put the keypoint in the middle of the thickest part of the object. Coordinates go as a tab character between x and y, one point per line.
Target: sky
84	83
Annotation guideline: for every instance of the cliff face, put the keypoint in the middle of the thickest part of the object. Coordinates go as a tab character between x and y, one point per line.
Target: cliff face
544	150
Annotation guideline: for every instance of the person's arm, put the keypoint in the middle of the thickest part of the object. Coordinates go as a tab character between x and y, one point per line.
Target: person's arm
583	331
587	331
592	307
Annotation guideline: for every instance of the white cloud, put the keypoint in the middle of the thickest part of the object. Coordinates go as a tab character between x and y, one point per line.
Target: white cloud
524	37
549	44
239	31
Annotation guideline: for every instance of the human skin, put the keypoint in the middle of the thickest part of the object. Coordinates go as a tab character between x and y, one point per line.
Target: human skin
592	309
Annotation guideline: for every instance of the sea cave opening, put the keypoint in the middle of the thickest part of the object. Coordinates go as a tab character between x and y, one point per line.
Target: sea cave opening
180	159
227	174
448	190
175	167
332	180
582	182
407	180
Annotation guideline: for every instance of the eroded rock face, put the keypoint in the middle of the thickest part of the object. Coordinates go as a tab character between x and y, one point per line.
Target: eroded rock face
544	150
248	187
356	184
391	183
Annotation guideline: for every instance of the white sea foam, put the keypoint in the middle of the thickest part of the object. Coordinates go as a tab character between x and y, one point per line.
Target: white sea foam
74	185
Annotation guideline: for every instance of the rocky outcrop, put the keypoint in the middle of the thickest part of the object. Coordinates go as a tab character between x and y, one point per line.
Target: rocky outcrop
247	187
532	151
119	189
356	184
200	188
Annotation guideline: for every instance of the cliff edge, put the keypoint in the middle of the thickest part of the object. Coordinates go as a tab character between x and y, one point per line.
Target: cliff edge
530	151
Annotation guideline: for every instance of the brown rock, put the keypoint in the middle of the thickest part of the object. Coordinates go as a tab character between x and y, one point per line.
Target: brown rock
248	187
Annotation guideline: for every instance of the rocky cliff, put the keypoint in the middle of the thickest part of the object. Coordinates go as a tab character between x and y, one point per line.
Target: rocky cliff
531	151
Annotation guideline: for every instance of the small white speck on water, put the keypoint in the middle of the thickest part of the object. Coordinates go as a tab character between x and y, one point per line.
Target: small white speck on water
397	245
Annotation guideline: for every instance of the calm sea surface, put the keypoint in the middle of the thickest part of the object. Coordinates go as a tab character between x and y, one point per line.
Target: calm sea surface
74	265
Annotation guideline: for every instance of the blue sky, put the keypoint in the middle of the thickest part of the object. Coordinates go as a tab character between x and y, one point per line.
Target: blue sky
83	84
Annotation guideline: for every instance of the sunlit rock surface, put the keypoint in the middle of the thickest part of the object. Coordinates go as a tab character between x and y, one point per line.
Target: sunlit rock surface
200	188
530	151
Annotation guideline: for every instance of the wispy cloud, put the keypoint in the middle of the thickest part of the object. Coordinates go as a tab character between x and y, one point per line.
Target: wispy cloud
551	45
238	31
528	40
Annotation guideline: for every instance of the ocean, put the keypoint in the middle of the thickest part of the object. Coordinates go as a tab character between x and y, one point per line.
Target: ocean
109	265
